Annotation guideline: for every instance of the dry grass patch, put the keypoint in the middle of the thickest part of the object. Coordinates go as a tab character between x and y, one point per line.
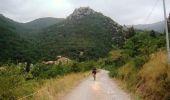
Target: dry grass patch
154	83
54	89
151	81
115	54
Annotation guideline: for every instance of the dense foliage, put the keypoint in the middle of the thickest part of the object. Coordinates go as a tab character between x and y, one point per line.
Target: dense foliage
137	49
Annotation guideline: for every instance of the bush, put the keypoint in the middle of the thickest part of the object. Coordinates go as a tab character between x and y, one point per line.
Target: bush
113	71
50	71
139	61
142	44
88	65
10	78
42	71
75	67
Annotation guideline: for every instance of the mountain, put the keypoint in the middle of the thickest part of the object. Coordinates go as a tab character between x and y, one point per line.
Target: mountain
12	45
8	23
158	27
31	29
18	40
42	23
85	30
35	25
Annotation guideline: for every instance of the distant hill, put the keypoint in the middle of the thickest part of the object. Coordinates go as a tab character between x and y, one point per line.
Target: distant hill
42	23
158	27
16	39
34	25
29	29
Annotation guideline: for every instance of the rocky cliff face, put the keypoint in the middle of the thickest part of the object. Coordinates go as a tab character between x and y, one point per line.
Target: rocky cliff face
81	12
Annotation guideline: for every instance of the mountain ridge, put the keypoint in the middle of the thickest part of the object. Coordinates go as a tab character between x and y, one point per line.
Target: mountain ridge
157	26
92	34
36	23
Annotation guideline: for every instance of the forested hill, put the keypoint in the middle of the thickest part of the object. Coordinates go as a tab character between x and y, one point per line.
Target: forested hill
85	31
42	23
12	45
34	25
16	38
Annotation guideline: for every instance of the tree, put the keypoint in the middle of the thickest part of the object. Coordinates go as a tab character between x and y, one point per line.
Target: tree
131	32
152	33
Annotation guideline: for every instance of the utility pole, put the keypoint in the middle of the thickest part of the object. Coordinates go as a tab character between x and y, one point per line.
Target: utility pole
166	30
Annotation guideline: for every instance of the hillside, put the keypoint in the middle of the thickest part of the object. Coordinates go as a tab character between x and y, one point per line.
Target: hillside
16	40
84	31
41	23
12	45
8	23
158	27
30	28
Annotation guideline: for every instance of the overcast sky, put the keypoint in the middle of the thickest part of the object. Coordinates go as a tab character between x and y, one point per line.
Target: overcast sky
122	11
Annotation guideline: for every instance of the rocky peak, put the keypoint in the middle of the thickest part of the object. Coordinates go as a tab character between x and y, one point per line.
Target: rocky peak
81	12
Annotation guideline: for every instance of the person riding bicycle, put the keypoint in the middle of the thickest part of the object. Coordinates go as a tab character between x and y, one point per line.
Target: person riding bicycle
94	71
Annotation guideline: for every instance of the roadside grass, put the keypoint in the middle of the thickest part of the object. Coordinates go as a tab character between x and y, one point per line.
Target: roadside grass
150	81
54	89
123	86
154	78
17	84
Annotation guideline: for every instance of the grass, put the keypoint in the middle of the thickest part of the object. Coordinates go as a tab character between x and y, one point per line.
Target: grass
114	54
154	77
123	86
150	81
16	83
54	89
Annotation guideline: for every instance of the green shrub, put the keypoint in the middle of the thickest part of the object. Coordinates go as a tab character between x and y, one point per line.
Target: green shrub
139	61
88	65
10	78
113	71
49	71
75	67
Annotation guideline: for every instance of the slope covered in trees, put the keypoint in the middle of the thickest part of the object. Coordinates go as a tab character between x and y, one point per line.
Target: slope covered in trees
89	32
85	31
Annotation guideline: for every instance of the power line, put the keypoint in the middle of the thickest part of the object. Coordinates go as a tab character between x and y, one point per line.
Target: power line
153	8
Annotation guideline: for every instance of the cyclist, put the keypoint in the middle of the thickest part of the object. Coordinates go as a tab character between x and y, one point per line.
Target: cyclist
94	71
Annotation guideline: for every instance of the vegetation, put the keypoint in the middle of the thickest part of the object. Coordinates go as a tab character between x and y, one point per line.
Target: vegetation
91	35
35	41
133	57
16	82
55	88
142	66
22	44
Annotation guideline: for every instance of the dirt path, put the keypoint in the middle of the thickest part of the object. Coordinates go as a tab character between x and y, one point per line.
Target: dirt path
101	89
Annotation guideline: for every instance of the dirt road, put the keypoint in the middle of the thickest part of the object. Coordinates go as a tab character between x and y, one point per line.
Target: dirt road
102	89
